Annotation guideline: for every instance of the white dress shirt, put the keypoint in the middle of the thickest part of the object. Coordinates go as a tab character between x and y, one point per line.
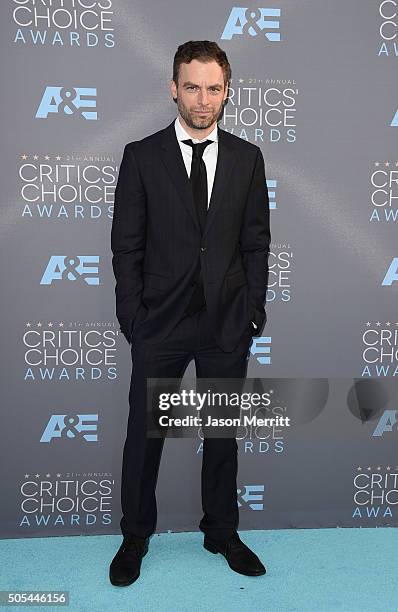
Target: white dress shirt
209	156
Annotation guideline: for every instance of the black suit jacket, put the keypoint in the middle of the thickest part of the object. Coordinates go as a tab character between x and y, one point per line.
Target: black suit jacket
156	239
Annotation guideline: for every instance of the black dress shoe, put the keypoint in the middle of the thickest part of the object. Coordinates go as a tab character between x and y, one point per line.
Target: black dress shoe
126	565
239	556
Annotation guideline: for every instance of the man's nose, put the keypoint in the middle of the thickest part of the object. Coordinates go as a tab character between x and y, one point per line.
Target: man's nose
203	97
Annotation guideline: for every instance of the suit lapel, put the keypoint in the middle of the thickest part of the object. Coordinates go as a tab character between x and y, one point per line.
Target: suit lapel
173	160
226	158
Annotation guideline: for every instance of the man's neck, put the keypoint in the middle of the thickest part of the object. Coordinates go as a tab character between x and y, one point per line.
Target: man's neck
197	134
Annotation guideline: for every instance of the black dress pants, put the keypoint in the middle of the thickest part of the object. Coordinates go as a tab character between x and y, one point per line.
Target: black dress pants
191	338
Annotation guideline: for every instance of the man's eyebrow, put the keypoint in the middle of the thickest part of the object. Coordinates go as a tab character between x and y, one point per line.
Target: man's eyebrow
196	85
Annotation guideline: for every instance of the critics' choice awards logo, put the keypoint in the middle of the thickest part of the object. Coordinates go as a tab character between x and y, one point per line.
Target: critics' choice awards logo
256	439
388	25
262	110
83	268
280	262
384	192
74	351
75	186
80	426
66	500
253	22
68	102
391	276
380	349
375	492
63	23
251	497
260	439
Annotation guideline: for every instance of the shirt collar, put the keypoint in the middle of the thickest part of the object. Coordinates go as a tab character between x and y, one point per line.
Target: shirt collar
182	134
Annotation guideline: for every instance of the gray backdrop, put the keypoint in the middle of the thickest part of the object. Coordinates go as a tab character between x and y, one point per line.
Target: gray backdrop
314	85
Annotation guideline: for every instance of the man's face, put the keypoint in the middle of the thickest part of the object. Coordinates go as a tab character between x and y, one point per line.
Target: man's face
200	93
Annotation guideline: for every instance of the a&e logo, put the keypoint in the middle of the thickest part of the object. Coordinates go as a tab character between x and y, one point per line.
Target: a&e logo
80	267
253	497
64	426
386	423
271	188
391	274
252	21
70	101
261	348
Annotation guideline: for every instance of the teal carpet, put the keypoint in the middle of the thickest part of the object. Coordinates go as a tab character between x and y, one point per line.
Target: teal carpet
307	570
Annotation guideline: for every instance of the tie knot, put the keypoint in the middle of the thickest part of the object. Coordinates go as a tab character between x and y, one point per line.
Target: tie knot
197	148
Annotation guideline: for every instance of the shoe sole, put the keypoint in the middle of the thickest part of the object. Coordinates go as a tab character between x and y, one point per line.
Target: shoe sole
123	584
213	549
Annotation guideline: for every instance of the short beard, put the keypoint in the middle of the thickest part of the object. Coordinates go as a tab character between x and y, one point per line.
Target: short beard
190	120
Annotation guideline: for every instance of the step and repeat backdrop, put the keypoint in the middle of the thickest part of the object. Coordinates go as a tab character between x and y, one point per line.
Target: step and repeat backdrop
314	86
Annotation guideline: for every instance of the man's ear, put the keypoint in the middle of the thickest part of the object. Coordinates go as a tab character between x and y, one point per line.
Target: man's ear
173	88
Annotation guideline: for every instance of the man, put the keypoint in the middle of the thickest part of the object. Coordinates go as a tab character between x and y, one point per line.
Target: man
190	242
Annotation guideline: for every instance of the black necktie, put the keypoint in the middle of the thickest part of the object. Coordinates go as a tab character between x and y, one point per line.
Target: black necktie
198	180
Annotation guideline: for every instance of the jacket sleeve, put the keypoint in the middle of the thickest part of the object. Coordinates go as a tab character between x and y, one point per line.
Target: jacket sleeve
255	238
128	240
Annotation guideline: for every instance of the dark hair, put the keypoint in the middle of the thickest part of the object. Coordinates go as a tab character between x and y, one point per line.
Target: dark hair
204	51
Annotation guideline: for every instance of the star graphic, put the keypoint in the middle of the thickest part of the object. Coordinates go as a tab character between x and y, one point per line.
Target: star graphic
47	157
35	156
50	324
28	324
24	156
58	157
39	324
